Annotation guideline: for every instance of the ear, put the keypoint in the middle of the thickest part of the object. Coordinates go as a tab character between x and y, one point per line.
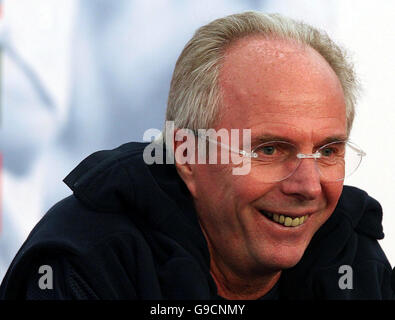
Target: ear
184	156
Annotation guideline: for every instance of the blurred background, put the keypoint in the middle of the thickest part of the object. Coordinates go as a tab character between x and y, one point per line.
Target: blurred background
78	76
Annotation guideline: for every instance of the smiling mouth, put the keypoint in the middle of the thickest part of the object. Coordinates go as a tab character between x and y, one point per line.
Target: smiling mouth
285	220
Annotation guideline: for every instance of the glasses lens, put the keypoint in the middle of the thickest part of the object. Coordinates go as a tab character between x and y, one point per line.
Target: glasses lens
276	160
338	160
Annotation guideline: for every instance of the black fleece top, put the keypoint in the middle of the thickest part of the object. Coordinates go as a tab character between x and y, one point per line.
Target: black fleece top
130	231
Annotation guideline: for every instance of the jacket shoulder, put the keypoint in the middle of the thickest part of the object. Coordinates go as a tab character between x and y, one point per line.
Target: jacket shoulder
74	225
93	243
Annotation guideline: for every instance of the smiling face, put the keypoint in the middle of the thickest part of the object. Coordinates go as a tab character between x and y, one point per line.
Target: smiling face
277	88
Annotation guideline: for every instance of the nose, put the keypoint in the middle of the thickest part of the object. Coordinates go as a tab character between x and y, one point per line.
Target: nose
305	182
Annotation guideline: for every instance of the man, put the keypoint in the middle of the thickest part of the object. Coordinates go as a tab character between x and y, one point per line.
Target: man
286	228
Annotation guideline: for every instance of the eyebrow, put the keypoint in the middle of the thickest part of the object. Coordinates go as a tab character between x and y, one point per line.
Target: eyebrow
270	137
336	138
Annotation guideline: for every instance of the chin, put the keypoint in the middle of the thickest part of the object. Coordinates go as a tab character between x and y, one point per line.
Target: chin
283	257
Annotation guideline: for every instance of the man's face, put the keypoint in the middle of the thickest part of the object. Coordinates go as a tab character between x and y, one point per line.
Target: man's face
272	87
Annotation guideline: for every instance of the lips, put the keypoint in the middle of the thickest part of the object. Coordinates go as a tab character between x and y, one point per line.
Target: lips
285	220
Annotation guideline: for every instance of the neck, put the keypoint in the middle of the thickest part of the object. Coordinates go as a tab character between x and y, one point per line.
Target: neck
233	286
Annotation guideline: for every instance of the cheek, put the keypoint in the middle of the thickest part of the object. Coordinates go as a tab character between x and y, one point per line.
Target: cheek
332	192
213	184
218	189
249	189
223	198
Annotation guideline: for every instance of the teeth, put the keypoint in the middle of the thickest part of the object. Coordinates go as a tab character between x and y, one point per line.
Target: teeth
295	222
288	222
285	220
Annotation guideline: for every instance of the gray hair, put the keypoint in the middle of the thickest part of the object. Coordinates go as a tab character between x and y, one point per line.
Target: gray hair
194	96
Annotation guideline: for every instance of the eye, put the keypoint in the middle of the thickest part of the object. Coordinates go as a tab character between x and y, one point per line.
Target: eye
268	150
274	151
334	150
327	152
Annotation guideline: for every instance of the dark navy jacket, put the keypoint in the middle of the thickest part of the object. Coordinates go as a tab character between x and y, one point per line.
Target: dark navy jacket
130	231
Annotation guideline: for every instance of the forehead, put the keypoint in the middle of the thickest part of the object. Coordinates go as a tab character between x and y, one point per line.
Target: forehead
278	83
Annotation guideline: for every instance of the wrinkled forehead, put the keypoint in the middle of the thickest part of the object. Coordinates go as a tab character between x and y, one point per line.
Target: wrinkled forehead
271	55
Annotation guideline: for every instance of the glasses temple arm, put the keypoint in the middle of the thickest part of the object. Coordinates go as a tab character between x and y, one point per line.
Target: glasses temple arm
359	151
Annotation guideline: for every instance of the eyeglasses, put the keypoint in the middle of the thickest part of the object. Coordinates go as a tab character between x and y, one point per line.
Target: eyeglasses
278	160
